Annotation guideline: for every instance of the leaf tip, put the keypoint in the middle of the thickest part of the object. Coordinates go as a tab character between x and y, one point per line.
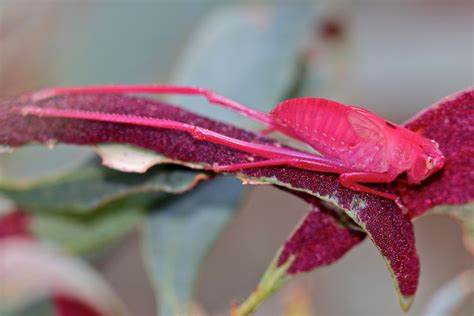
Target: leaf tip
405	302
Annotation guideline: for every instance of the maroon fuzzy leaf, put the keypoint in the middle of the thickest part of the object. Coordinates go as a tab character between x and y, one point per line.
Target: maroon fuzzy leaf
390	230
320	240
450	123
67	306
15	223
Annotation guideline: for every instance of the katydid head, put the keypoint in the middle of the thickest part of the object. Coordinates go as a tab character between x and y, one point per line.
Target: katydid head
429	160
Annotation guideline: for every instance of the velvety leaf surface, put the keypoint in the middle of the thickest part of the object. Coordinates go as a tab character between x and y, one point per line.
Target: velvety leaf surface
322	238
93	186
178	235
451	123
390	230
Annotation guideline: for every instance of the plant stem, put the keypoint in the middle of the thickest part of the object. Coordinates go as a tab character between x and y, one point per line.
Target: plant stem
274	278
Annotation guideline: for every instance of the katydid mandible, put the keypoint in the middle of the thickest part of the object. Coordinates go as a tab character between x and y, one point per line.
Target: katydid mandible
355	143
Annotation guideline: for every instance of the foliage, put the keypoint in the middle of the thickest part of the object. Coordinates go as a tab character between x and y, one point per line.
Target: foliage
87	210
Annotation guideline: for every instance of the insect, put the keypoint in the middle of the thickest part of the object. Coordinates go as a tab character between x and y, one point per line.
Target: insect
355	143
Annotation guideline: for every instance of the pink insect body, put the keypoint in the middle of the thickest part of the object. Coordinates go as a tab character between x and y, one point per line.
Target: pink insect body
353	142
361	140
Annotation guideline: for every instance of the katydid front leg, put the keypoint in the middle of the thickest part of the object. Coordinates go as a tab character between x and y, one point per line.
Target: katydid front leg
347	178
352	181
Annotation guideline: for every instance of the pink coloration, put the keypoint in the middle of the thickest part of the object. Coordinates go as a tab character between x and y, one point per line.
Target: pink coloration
199	133
15	224
211	96
355	143
360	139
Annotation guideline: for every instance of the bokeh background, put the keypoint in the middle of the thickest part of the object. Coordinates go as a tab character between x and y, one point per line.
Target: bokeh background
392	57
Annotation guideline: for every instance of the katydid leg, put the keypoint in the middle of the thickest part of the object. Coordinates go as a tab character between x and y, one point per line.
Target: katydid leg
352	181
348	179
276	156
300	163
267	131
211	96
262	150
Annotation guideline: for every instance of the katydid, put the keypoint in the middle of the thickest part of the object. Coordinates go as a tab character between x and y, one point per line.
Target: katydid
355	143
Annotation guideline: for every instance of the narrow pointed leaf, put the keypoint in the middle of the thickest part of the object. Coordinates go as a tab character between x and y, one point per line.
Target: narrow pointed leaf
93	186
89	209
323	237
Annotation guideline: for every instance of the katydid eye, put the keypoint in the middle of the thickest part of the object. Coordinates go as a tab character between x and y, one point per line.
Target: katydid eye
429	163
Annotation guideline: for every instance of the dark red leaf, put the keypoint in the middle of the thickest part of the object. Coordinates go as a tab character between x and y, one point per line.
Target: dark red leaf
66	306
15	224
320	240
451	124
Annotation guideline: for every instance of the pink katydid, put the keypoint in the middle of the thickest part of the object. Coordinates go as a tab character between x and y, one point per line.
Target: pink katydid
355	143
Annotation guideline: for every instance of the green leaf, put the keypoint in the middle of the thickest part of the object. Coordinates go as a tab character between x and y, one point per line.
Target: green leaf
93	186
258	73
86	235
88	209
44	307
178	235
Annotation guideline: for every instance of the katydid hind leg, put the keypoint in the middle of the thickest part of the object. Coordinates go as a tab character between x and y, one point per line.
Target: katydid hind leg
261	150
276	156
211	96
296	162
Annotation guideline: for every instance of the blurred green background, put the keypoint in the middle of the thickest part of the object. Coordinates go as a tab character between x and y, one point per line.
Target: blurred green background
392	57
